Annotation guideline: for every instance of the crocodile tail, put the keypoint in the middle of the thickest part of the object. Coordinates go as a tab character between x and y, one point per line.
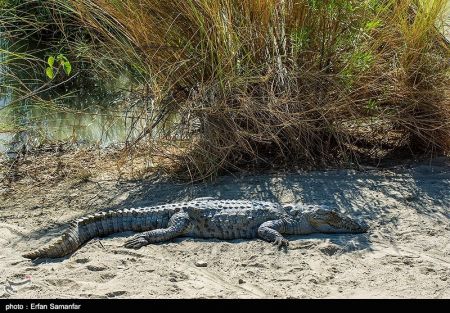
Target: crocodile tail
79	232
97	225
66	244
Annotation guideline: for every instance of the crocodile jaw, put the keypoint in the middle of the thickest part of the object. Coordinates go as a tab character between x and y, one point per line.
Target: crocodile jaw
325	221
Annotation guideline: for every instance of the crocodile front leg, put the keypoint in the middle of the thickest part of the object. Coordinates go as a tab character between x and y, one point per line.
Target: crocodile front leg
271	232
178	224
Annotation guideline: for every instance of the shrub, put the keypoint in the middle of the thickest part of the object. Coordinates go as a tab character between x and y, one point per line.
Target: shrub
281	83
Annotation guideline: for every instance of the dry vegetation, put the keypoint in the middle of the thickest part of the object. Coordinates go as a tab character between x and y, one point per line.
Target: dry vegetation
275	83
51	164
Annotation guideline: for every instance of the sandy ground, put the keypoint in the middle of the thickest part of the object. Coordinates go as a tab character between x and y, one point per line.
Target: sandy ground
405	254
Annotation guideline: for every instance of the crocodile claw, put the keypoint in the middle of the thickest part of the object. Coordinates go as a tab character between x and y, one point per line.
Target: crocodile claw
136	242
281	242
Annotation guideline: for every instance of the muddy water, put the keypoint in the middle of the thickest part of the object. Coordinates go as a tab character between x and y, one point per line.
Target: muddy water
84	111
101	119
100	126
102	114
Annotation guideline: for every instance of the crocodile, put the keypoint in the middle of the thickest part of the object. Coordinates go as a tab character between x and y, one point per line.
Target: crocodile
202	218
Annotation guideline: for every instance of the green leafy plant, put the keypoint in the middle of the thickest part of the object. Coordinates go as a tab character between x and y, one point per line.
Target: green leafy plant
61	62
372	25
372	105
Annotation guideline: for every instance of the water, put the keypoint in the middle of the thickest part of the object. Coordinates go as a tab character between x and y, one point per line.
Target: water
102	120
100	112
100	116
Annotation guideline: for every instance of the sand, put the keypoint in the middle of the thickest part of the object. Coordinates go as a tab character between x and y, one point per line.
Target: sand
405	254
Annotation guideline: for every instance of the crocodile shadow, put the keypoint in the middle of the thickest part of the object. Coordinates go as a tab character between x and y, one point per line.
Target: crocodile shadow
354	192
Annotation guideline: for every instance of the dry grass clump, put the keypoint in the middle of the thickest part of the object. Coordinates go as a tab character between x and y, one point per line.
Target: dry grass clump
52	163
286	82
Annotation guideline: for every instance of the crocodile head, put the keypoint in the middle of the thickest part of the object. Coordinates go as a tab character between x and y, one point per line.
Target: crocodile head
328	221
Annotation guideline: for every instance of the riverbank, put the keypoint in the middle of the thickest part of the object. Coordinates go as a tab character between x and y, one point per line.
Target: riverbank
406	253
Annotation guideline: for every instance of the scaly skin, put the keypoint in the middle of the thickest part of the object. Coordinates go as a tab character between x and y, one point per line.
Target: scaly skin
202	218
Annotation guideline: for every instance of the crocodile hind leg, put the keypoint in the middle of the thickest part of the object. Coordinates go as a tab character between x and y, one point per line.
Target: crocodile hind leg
178	224
271	231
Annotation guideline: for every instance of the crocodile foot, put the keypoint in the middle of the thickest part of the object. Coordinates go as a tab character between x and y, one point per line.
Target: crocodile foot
281	242
136	242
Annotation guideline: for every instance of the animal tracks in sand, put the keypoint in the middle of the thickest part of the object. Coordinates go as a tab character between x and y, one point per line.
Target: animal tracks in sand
11	235
380	250
206	277
62	282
